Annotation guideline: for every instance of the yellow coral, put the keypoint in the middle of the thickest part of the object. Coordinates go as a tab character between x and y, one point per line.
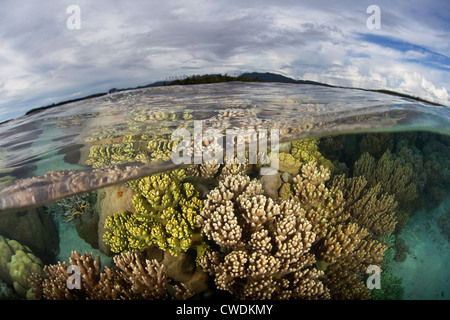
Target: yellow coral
165	215
288	163
22	265
285	192
308	150
302	152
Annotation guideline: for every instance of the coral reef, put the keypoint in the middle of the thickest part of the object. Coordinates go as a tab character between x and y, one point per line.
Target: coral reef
69	209
376	143
17	263
130	149
348	218
264	245
302	151
436	186
132	278
332	146
65	183
315	241
34	228
165	215
391	287
205	170
134	139
111	200
208	170
394	177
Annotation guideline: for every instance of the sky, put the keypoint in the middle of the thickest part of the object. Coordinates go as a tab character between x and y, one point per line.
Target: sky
57	50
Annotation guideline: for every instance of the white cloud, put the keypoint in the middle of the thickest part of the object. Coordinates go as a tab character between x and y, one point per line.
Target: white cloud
123	45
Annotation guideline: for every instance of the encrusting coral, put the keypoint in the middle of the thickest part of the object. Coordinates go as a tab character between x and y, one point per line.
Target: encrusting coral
134	139
17	263
131	149
264	244
131	278
165	215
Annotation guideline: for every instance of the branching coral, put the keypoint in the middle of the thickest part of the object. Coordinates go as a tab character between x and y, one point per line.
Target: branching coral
165	215
205	170
367	206
443	224
278	249
347	218
394	177
376	143
70	209
302	151
264	244
132	278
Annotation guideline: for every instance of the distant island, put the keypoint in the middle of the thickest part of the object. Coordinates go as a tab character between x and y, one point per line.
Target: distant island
217	78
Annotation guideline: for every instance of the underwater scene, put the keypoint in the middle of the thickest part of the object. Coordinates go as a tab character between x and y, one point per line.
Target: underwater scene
236	190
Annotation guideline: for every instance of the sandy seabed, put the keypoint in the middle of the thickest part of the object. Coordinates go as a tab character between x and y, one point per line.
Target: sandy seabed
426	269
70	241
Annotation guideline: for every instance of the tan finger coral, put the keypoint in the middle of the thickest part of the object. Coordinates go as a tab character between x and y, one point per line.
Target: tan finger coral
395	178
132	278
348	218
265	244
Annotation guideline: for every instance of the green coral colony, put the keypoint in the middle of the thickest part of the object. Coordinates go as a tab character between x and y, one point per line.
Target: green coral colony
308	232
165	215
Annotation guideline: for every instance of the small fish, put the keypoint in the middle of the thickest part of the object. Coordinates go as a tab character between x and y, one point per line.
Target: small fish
120	193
